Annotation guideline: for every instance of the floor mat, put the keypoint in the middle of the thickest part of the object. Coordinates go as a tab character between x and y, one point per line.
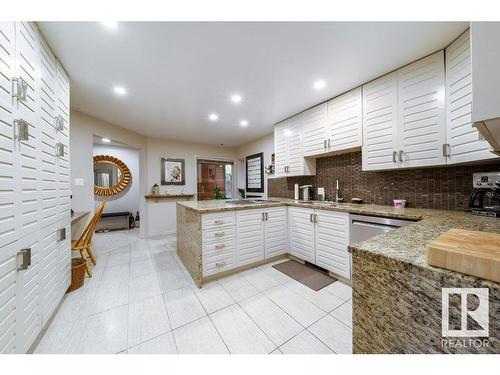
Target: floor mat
305	274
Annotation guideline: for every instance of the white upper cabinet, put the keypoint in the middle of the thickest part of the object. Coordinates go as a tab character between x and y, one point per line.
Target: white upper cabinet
421	112
465	142
289	157
380	123
345	121
314	133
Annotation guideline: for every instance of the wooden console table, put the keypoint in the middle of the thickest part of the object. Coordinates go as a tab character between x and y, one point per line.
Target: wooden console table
156	198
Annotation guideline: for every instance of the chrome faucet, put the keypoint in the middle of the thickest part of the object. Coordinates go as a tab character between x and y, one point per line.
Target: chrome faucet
337	198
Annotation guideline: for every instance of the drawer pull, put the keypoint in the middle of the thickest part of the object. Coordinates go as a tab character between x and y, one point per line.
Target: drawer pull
219	234
220	264
218	222
220	247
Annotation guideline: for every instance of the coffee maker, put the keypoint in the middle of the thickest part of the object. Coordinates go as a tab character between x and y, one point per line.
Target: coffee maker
485	200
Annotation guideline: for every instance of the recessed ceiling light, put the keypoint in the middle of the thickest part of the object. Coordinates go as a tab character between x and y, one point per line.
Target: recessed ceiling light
236	98
320	84
110	25
119	90
213	117
106	140
244	123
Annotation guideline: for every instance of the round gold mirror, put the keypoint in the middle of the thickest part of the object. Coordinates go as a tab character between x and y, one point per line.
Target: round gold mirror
111	175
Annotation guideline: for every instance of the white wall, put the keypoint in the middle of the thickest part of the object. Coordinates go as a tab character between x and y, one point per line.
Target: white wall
162	217
265	145
129	199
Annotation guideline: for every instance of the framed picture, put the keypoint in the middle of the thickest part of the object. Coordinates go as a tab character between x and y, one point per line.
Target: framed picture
255	173
172	172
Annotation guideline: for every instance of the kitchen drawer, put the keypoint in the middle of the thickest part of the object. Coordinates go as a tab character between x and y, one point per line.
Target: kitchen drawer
218	247
213	264
218	220
218	235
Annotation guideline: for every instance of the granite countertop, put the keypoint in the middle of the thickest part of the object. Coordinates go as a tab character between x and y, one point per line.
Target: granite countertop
403	247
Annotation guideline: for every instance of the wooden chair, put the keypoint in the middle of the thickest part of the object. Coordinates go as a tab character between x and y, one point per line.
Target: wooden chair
84	243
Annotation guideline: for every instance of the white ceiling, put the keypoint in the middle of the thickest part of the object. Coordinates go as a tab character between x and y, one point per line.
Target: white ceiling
178	73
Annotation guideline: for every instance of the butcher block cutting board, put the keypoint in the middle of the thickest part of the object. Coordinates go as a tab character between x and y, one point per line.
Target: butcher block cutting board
470	252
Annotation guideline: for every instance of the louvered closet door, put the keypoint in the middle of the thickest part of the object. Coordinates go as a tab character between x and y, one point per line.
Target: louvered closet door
421	107
345	120
380	125
332	239
9	224
249	236
8	297
29	309
280	149
314	134
276	232
29	156
63	110
465	142
294	146
301	230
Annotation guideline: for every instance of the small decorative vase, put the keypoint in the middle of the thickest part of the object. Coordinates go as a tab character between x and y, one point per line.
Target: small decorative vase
156	189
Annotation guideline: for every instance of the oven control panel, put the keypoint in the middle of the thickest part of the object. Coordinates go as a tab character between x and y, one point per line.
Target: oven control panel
483	180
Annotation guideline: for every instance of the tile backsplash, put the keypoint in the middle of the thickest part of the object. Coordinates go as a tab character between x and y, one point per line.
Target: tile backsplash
446	188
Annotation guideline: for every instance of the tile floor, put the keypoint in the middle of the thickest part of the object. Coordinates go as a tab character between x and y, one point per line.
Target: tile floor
142	300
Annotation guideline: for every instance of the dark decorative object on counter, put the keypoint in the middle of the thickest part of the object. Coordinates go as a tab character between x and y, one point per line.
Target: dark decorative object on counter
137	223
131	220
242	193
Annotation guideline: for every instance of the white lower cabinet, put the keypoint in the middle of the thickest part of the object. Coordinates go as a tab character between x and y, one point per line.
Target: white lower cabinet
234	239
332	239
321	237
250	236
301	228
276	233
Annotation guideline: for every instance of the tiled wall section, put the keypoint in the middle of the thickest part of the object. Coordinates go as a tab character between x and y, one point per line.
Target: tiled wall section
446	188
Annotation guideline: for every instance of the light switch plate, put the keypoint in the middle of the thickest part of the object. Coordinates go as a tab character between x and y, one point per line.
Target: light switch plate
79	181
321	190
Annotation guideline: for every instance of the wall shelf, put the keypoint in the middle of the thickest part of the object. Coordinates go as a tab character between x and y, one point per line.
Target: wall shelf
156	198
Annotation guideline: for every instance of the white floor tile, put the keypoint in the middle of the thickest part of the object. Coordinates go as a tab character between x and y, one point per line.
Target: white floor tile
238	287
343	313
340	289
275	323
116	274
111	296
305	343
172	280
213	297
143	287
182	307
163	344
147	319
240	333
325	300
117	258
199	337
141	268
105	332
303	311
333	333
262	279
277	351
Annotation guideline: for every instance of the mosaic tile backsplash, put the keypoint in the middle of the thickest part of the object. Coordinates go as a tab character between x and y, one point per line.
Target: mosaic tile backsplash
446	188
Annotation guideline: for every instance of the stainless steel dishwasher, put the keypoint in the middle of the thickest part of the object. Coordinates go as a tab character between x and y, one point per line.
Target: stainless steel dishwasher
363	227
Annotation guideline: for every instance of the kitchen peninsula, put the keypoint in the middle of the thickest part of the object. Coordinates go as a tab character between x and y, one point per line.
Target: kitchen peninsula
388	270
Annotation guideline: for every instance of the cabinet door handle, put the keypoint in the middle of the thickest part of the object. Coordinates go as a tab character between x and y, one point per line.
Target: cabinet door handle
324	144
263	216
394	157
267	217
219	234
220	247
401	156
328	143
218	222
220	264
311	218
315	218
